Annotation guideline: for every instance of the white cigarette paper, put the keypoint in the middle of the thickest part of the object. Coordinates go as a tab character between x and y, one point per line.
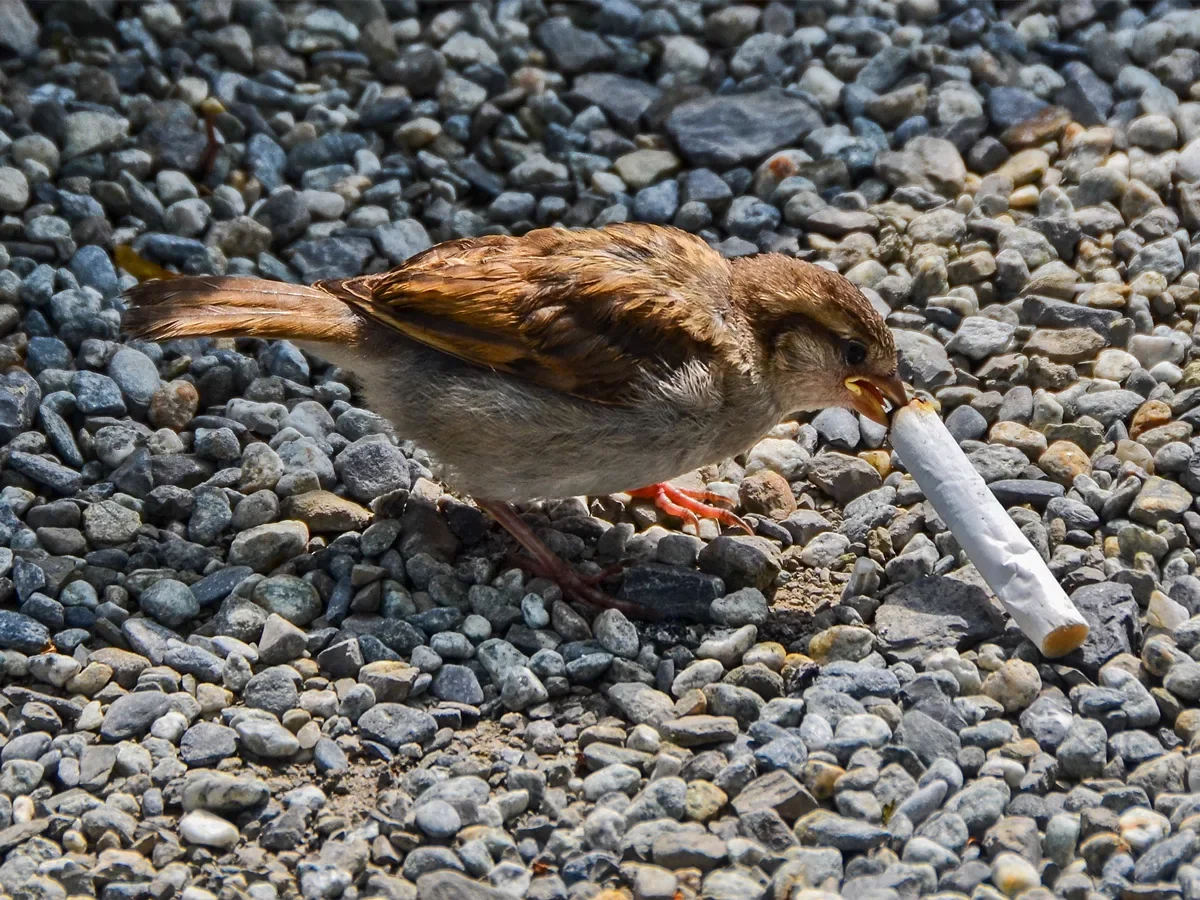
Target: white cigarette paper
1004	557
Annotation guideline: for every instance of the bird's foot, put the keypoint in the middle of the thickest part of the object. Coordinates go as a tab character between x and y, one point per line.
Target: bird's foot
211	109
543	562
689	505
578	587
603	575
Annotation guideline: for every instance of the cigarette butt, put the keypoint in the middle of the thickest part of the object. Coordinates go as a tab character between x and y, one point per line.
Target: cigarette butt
1003	555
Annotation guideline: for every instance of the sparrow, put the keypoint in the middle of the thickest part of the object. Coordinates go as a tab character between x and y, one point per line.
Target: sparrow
568	362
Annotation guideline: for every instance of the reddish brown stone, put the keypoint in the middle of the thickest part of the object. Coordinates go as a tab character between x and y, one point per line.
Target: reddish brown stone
768	494
1047	125
173	405
1150	414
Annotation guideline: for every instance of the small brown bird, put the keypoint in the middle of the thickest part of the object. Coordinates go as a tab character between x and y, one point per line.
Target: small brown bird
566	363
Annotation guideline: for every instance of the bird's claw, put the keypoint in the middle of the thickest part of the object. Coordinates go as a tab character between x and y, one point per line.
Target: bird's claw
581	588
691	505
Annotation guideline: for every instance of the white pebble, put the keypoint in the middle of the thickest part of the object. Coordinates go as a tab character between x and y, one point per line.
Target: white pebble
22	810
208	830
1142	828
1013	874
73	841
170	727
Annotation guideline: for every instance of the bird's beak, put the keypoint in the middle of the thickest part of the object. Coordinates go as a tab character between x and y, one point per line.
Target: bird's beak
870	392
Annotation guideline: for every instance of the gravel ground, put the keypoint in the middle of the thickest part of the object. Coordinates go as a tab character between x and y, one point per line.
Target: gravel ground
251	648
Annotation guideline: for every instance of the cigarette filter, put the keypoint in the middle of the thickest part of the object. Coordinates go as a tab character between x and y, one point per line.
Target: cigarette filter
1001	553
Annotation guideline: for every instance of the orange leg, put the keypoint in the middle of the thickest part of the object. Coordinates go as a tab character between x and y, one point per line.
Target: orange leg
688	504
543	562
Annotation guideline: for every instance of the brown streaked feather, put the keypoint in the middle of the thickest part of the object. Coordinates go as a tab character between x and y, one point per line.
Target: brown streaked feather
781	290
227	306
581	312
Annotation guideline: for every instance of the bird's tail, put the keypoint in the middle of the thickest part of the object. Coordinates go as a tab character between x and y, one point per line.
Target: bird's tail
230	306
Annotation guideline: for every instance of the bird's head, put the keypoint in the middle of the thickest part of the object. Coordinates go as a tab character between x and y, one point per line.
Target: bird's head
824	344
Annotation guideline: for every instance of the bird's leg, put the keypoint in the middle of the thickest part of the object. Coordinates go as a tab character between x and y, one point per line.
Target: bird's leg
688	504
211	108
545	563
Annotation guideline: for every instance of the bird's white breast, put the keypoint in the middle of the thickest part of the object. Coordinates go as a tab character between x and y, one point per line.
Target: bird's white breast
501	438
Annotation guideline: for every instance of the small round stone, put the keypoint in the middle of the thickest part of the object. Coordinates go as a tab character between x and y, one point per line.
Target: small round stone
1013	874
208	830
174	405
170	602
1014	685
438	819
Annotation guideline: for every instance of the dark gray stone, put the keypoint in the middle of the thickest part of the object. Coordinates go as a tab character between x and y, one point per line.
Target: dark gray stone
729	129
571	48
671	592
205	744
19	399
394	724
1085	94
1112	615
132	715
932	613
927	737
622	98
21	633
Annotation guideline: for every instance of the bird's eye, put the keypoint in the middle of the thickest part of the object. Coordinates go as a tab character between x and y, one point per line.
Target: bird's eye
855	353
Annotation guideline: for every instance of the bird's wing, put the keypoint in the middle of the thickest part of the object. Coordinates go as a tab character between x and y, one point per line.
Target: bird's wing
585	313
